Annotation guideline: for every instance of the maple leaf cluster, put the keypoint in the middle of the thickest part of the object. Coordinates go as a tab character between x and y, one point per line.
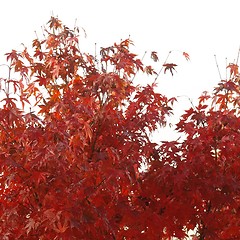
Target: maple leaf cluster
71	166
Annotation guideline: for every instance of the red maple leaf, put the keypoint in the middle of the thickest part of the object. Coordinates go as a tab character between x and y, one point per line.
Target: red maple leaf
154	56
233	69
186	55
170	67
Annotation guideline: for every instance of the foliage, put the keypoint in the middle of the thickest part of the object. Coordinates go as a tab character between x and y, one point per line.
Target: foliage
71	166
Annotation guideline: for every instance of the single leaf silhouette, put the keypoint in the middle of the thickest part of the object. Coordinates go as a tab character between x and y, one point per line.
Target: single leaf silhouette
233	69
169	67
154	56
186	55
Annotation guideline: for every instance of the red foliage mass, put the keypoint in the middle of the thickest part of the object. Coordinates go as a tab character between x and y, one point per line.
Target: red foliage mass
72	170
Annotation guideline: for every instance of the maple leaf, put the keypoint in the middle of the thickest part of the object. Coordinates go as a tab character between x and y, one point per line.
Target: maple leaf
170	67
36	44
12	56
15	84
27	56
154	56
55	23
186	55
39	54
42	80
39	177
149	70
233	69
61	227
55	71
30	225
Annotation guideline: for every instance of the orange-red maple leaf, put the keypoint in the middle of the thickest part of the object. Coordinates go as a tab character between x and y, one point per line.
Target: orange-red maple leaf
170	67
186	55
149	70
30	225
233	69
61	228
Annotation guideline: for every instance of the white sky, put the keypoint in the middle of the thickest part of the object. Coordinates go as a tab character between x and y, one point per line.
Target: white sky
201	28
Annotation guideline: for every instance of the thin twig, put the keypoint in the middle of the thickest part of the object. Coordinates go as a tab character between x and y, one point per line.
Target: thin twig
162	67
144	55
238	55
95	51
226	66
138	69
9	76
217	67
189	99
95	56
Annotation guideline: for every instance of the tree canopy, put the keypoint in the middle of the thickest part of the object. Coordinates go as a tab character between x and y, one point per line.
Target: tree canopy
75	131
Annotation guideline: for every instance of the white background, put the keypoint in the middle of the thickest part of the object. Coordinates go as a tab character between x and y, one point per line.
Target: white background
200	28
